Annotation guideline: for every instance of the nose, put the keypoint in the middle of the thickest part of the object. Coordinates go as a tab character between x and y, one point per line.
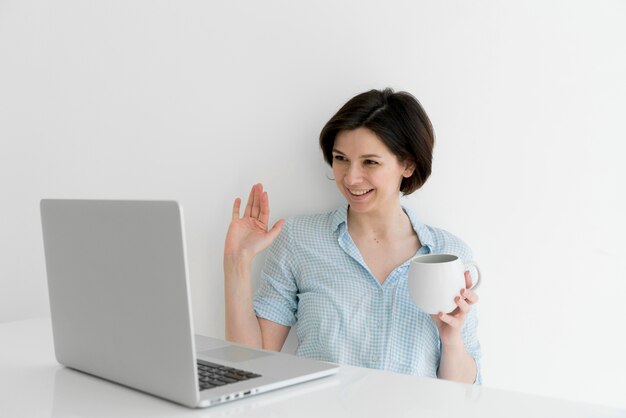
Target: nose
354	174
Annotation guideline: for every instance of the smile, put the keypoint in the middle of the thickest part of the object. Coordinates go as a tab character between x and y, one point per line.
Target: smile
359	192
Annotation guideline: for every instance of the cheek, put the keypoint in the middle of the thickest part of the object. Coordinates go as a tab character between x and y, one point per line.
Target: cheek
336	174
337	170
391	177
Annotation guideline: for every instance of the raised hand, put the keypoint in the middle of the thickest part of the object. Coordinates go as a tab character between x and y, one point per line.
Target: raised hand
248	235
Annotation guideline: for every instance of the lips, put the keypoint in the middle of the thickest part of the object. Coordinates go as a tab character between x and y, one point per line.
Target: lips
359	193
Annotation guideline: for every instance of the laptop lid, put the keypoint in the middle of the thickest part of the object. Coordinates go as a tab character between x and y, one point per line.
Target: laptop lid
119	293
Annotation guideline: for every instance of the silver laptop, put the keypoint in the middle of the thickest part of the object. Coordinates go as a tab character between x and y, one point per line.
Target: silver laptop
120	307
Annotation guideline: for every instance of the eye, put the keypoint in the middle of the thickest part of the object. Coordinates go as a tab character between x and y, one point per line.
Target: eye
371	162
339	158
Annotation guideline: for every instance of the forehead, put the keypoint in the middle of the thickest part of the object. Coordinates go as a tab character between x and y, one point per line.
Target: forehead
360	141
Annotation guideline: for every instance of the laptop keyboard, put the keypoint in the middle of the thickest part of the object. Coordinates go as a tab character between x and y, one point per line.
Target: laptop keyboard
211	375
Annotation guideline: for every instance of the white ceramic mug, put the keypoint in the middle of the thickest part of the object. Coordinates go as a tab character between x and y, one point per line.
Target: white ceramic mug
436	279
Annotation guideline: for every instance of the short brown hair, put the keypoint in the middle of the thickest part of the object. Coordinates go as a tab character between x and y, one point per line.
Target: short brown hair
398	119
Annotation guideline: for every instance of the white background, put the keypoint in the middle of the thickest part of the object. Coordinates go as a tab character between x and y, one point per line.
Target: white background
197	100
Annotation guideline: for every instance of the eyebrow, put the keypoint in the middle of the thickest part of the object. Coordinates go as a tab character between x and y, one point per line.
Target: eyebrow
362	156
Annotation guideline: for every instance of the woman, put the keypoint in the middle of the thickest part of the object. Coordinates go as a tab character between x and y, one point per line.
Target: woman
342	276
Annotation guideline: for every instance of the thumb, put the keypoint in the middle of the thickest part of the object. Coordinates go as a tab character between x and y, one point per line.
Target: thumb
278	226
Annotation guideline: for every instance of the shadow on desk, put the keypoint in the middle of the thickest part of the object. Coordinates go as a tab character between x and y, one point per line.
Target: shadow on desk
355	392
352	392
77	394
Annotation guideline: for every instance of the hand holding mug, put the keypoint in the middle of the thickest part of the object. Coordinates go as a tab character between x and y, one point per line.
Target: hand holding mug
441	285
435	280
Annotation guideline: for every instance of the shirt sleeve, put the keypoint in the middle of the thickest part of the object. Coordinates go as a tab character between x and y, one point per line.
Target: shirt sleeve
469	332
276	299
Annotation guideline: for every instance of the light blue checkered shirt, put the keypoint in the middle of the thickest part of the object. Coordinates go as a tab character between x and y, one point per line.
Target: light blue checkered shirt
315	277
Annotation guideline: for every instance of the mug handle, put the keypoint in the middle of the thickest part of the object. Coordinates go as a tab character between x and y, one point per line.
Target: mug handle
473	263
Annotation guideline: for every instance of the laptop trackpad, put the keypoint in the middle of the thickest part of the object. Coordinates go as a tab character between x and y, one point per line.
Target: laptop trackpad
233	353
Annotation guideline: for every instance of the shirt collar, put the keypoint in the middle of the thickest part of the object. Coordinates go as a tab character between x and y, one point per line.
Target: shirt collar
340	218
422	231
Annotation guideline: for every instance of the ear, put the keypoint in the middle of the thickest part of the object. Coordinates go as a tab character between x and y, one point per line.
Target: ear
409	168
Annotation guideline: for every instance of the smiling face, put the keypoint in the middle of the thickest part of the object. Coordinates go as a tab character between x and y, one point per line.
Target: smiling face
366	172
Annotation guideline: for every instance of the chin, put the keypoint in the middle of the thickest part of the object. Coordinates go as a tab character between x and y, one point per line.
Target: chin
360	206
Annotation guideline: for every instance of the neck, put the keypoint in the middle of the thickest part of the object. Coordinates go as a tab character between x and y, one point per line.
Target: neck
384	224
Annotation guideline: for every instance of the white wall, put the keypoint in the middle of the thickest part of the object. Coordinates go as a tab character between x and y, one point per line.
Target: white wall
196	100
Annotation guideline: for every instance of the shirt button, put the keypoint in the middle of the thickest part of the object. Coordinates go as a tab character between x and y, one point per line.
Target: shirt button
374	358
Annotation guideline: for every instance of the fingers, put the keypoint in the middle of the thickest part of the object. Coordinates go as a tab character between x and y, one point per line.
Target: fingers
467	293
236	208
462	304
470	296
258	206
458	314
453	320
468	280
457	317
264	215
256	202
253	207
248	211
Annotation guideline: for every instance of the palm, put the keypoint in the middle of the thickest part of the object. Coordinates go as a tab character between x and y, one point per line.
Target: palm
246	234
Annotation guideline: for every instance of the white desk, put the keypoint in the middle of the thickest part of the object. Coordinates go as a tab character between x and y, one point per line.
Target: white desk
33	384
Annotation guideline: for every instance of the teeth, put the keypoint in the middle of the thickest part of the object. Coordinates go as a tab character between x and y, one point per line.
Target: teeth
359	192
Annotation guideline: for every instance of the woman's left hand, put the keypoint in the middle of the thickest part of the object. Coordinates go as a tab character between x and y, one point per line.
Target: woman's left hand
450	324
